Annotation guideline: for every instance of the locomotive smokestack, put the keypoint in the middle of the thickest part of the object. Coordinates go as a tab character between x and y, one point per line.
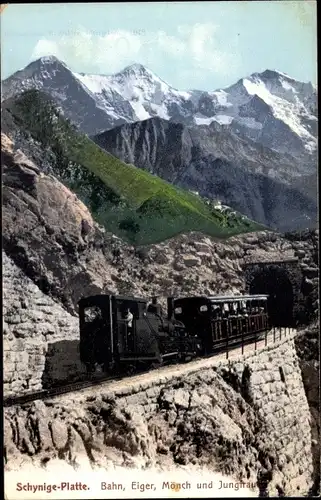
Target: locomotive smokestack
170	308
154	300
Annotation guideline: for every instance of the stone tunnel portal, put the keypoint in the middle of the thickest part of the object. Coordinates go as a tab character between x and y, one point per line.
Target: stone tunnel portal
277	282
279	289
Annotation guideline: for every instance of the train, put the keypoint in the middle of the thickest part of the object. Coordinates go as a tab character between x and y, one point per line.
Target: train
123	334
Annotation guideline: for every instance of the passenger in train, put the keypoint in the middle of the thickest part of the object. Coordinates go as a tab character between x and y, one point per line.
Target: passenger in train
252	308
244	309
226	310
129	321
234	309
129	327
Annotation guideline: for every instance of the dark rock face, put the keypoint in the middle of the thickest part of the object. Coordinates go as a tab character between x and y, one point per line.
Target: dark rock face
308	349
253	180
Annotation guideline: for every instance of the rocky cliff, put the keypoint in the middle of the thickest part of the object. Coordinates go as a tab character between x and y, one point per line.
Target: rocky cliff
247	418
308	349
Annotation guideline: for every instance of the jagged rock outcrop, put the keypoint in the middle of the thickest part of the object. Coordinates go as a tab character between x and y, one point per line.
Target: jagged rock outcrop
47	229
247	418
269	187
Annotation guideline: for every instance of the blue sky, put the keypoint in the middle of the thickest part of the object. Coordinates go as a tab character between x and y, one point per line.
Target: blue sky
203	45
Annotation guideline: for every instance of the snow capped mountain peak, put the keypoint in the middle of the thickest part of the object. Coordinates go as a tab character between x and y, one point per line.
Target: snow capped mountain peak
272	74
137	74
145	93
134	69
277	81
46	61
268	107
50	60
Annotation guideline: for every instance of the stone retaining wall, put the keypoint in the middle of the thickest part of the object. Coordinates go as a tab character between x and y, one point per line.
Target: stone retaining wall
40	339
246	417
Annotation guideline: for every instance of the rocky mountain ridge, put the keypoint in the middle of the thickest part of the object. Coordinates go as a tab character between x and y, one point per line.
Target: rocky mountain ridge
268	187
270	108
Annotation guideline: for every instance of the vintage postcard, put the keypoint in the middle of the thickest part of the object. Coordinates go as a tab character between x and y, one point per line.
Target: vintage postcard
160	250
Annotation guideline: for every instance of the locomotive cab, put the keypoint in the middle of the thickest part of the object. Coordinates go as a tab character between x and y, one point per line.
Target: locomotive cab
116	330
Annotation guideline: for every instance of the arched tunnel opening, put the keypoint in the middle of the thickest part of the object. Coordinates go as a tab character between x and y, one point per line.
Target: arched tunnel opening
274	282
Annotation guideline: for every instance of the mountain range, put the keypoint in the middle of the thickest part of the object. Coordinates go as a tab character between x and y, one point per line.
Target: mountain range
270	107
126	200
251	145
252	179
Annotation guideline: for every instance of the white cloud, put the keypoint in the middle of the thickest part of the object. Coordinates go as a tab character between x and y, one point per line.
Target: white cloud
87	49
169	44
195	46
45	48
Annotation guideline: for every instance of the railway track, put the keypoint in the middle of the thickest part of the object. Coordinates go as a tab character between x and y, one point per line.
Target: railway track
55	391
100	380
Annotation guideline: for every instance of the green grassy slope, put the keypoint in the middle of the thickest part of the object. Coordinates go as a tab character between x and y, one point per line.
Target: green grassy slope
128	201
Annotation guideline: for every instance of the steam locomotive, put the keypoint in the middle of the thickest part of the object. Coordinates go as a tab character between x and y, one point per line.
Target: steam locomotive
123	333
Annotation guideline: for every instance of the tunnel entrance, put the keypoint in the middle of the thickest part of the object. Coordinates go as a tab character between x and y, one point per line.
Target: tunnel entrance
274	281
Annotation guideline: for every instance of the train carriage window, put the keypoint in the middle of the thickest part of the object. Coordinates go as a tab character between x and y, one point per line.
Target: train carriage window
217	311
234	308
92	313
253	306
